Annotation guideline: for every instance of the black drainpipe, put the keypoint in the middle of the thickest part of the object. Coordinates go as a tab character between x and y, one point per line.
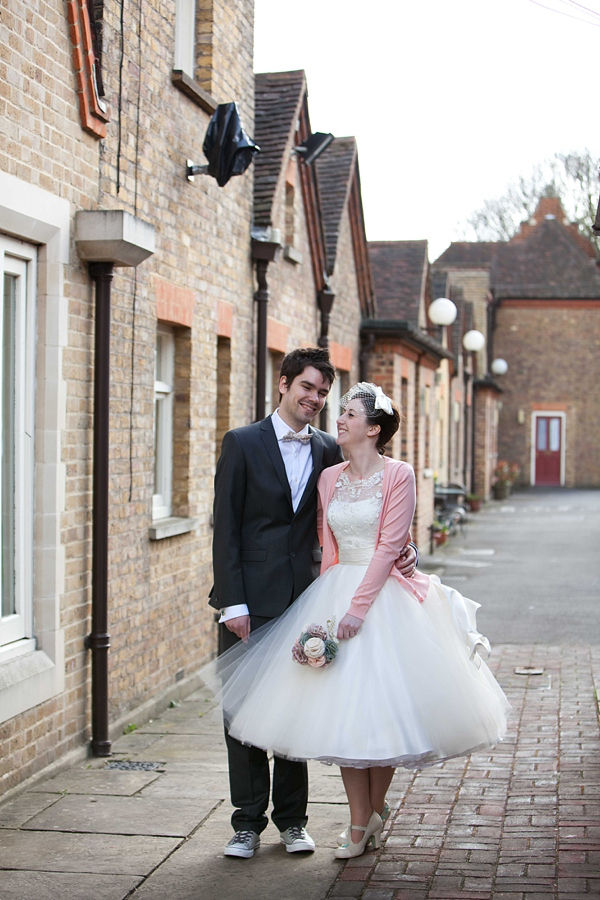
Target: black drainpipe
263	252
261	298
98	641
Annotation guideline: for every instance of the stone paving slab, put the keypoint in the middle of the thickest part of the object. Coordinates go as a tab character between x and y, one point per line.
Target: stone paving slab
110	854
98	781
66	886
199	871
121	815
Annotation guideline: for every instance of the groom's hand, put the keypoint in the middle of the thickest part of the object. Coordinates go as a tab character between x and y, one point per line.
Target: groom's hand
240	626
407	561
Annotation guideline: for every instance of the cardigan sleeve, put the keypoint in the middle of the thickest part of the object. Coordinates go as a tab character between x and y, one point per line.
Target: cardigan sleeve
395	527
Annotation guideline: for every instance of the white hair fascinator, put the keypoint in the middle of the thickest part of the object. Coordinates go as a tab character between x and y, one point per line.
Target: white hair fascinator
371	395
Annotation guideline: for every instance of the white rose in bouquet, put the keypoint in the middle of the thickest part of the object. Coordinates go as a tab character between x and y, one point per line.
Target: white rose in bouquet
314	648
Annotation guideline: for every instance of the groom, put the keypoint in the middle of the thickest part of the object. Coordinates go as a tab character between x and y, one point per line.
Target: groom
265	553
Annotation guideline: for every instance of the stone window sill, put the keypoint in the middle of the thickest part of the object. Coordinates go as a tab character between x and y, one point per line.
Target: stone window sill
192	89
291	254
170	527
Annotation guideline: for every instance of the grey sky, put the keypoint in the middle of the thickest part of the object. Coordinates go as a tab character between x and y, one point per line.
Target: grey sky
448	101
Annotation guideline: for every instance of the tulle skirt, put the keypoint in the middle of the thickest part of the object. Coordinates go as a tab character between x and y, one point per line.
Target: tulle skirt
408	690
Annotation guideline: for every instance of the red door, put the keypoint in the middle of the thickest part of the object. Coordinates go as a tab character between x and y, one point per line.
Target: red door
548	441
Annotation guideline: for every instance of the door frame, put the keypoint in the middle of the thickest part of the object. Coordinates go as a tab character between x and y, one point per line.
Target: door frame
548	413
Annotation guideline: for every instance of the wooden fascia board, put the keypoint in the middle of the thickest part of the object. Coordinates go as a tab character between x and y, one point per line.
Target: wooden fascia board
92	111
360	245
312	207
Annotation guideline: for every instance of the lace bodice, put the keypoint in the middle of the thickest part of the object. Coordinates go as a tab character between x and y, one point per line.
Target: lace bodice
353	516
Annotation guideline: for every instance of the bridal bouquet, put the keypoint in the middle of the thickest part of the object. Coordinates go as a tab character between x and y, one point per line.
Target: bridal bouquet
316	647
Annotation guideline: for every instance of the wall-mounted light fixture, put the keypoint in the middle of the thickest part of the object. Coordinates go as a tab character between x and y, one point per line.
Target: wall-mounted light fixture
473	341
313	146
442	311
499	366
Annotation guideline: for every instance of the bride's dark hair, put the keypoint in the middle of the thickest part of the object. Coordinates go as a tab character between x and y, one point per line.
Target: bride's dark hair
389	422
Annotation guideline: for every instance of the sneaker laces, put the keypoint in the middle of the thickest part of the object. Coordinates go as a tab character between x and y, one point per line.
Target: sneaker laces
242	837
296	831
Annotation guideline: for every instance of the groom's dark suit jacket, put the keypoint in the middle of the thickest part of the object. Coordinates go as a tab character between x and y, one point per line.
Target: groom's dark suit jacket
264	553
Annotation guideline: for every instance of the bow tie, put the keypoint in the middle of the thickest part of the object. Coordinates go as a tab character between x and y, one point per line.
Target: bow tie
294	436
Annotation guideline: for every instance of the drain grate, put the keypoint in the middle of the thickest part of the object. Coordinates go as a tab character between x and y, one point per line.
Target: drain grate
129	765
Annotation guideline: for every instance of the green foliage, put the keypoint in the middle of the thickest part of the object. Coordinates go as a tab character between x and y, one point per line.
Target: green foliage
129	729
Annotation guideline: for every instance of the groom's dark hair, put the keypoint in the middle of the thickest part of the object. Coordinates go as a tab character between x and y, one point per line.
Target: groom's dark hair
299	359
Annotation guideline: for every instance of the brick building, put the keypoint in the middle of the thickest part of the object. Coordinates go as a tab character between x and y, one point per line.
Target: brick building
88	130
461	273
546	315
309	238
403	358
537	300
115	262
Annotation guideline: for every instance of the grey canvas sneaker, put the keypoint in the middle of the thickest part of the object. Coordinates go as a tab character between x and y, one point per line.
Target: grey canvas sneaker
243	843
297	839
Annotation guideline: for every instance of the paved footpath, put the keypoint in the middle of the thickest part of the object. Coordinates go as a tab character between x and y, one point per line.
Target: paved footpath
519	823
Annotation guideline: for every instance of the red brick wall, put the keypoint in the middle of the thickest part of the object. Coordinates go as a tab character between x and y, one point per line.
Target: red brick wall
553	356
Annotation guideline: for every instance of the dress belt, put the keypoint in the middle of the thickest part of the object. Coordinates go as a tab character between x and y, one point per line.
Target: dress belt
359	556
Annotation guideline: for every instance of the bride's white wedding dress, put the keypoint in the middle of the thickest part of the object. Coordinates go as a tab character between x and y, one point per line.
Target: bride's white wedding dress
409	689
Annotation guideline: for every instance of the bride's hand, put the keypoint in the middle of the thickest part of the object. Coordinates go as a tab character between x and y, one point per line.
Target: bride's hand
348	627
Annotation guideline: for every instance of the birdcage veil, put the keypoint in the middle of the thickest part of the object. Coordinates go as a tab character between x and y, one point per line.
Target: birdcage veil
372	397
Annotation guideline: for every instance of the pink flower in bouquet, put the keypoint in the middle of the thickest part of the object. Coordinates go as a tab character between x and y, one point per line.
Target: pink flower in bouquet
316	646
316	631
318	662
298	654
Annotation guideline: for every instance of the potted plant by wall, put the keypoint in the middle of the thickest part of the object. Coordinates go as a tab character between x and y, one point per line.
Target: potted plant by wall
473	502
505	475
440	533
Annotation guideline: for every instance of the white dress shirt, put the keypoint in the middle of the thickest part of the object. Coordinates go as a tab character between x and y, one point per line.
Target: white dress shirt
297	459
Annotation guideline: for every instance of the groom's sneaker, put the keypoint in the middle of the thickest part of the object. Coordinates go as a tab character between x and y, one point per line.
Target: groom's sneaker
297	839
243	843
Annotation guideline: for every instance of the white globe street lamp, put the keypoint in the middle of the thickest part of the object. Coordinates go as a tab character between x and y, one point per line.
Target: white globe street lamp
442	311
499	366
473	341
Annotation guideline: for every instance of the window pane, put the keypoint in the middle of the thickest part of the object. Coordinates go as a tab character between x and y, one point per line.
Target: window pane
8	444
542	434
554	435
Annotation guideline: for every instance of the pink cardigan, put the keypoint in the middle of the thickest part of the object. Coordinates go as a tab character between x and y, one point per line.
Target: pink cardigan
394	527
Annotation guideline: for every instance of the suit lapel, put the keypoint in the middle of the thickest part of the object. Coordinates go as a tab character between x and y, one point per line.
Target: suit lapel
267	434
317	460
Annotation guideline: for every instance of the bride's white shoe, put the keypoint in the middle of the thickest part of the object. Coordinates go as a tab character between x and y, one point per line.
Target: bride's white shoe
343	837
372	829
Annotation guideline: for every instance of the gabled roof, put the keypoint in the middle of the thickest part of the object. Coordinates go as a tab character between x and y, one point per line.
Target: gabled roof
338	179
399	277
279	97
548	263
468	255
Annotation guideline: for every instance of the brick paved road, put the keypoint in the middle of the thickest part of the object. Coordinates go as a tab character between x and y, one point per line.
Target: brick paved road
522	822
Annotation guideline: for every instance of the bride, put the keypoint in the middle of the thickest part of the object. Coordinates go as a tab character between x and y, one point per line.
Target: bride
400	683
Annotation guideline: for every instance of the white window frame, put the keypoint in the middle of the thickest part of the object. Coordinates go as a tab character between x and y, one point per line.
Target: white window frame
185	37
333	405
18	259
163	422
33	669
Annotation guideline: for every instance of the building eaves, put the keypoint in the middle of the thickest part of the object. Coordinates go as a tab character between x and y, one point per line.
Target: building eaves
406	332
